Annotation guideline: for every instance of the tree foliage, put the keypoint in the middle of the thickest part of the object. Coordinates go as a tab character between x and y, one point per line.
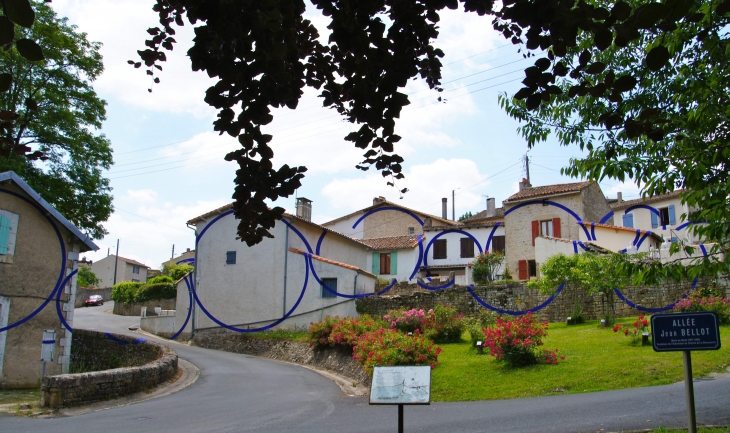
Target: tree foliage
485	266
55	111
466	215
668	130
176	271
86	278
264	53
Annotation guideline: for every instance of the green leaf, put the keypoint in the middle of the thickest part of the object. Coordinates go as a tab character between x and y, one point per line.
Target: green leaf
20	12
6	80
657	58
30	50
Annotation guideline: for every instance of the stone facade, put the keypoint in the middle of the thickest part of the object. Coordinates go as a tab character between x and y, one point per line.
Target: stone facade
390	223
147	364
517	297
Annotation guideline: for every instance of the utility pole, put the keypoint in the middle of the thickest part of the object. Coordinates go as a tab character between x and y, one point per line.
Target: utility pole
116	259
453	205
527	168
173	252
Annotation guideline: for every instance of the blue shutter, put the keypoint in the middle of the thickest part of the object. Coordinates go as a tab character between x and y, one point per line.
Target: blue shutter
672	219
629	220
376	263
4	234
654	220
394	263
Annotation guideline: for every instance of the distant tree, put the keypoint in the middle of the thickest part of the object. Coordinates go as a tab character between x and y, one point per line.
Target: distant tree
86	278
485	266
57	111
465	216
177	271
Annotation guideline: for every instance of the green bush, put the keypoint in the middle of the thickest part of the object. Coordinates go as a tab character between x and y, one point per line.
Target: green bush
148	292
390	347
444	325
86	278
160	279
485	265
475	325
125	291
341	332
177	271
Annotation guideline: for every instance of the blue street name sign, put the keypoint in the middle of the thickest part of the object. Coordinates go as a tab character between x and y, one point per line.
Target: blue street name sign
685	331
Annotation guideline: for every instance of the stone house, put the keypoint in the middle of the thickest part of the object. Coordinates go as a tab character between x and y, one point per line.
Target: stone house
39	248
550	211
393	256
126	270
382	221
250	287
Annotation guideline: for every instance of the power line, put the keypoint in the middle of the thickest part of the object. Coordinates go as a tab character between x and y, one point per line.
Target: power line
156	222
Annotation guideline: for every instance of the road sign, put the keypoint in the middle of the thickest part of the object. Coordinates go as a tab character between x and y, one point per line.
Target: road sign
685	331
401	385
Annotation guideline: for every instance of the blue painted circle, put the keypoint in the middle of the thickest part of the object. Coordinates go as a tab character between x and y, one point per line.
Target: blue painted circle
425	256
515	313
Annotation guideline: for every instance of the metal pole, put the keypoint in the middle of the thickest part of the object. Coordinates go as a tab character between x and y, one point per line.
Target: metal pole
116	258
689	391
400	418
453	206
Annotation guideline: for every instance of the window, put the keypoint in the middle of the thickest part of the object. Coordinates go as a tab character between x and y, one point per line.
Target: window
628	220
411	230
8	231
439	249
384	264
331	283
498	244
532	268
666	217
231	258
546	228
467	248
135	269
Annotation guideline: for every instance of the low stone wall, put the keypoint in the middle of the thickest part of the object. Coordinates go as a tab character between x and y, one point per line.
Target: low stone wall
146	365
331	359
164	326
135	308
517	297
83	294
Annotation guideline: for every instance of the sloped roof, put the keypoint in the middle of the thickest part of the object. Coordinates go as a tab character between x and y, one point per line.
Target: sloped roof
628	203
498	214
624	229
333	262
132	262
390	203
11	176
392	242
461	226
548	190
229	206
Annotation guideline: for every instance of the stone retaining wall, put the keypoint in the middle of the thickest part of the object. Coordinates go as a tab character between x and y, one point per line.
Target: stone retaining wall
147	364
135	308
339	361
517	297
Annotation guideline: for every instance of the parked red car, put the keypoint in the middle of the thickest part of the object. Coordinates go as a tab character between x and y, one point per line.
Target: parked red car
94	300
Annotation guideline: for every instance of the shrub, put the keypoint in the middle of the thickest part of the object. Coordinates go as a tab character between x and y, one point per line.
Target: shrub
176	271
148	292
319	332
485	265
641	325
342	332
86	278
695	302
516	341
476	324
125	291
443	325
390	347
160	279
406	321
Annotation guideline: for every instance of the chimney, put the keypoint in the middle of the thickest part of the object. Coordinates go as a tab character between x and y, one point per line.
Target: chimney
491	209
444	210
378	200
188	250
304	208
619	197
525	184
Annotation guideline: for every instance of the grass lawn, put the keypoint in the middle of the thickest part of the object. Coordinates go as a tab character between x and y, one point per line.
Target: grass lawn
12	398
596	359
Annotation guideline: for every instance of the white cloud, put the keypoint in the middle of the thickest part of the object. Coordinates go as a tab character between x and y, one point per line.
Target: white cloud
427	184
180	91
142	195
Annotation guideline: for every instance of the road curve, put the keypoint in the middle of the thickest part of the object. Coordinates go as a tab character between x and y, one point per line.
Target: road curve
238	393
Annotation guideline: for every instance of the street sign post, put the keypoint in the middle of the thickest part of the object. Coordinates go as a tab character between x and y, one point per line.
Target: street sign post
401	385
686	332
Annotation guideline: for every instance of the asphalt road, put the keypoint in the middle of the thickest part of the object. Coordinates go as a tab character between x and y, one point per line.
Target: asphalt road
238	393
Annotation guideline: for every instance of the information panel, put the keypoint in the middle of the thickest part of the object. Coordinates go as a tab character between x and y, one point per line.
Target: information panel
401	385
685	331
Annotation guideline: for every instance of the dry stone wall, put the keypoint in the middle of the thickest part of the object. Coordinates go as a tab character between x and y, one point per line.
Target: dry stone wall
135	308
517	297
147	364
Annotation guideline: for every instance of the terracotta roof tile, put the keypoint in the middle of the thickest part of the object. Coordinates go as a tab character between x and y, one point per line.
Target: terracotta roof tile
624	229
548	190
133	262
333	262
392	242
629	203
390	203
498	214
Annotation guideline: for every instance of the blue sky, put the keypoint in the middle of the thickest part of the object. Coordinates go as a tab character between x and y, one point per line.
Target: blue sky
169	163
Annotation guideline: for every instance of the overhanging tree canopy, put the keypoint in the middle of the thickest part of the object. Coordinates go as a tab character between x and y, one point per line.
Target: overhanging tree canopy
263	53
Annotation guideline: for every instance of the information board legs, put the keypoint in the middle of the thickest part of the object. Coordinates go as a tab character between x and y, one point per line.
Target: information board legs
689	391
400	418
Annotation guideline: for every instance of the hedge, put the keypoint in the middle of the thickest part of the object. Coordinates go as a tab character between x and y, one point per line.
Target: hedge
129	292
